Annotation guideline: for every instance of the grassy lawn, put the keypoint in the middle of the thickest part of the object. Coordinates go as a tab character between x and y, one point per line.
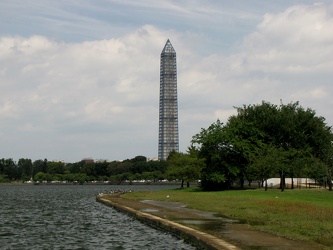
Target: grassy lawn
305	214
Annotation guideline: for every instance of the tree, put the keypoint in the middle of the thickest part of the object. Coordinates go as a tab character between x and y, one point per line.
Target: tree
25	168
80	178
268	162
245	140
140	167
89	169
41	176
39	166
255	136
9	169
185	167
329	161
115	168
56	167
215	147
101	168
76	167
139	158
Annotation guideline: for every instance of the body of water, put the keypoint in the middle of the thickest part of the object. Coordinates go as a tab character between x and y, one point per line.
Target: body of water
68	217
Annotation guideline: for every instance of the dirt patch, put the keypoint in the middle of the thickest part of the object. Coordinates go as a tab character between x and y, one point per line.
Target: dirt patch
232	231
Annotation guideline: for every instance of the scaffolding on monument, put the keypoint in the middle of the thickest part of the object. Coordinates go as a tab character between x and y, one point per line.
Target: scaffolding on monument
168	109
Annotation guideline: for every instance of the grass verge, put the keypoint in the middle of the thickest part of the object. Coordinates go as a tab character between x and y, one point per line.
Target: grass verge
304	214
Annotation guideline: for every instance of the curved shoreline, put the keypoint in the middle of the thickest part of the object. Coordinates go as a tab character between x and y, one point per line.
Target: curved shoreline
197	238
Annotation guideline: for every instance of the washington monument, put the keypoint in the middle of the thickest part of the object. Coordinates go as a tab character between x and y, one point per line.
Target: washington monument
168	139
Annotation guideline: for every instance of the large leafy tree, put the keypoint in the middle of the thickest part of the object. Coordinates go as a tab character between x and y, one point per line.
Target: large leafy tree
56	167
8	169
39	166
185	167
262	141
216	148
25	168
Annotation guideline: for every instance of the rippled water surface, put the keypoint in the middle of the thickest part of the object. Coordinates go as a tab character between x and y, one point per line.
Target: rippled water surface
68	217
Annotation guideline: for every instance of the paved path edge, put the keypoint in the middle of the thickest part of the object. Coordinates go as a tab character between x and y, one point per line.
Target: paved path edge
197	238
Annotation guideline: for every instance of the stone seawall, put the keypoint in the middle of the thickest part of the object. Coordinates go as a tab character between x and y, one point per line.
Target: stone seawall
197	238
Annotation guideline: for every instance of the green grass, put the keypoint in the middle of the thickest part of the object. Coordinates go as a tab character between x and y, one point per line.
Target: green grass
305	214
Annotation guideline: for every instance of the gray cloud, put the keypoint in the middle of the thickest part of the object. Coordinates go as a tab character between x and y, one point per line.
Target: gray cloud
99	98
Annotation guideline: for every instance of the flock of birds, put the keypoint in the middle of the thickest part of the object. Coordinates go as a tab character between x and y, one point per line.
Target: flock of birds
117	191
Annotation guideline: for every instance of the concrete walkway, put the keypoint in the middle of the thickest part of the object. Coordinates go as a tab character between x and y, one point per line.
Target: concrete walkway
202	229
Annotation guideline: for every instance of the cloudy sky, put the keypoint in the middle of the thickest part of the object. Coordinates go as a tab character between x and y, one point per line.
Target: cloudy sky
81	78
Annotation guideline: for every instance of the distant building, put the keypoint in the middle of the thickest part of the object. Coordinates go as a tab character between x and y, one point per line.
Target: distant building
88	160
168	139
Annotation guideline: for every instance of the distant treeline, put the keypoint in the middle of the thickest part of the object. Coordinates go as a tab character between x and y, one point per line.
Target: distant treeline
261	141
137	168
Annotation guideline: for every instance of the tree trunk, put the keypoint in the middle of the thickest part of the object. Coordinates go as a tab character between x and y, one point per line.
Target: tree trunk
182	185
292	182
242	182
188	184
329	183
282	181
266	185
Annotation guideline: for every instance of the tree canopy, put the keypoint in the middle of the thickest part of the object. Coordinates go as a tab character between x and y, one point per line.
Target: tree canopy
263	141
184	167
138	168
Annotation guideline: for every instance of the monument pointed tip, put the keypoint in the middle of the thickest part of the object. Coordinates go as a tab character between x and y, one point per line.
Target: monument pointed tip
168	48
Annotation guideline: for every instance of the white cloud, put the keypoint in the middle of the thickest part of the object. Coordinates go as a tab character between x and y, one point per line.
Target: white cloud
99	98
108	87
289	56
317	93
294	41
8	109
